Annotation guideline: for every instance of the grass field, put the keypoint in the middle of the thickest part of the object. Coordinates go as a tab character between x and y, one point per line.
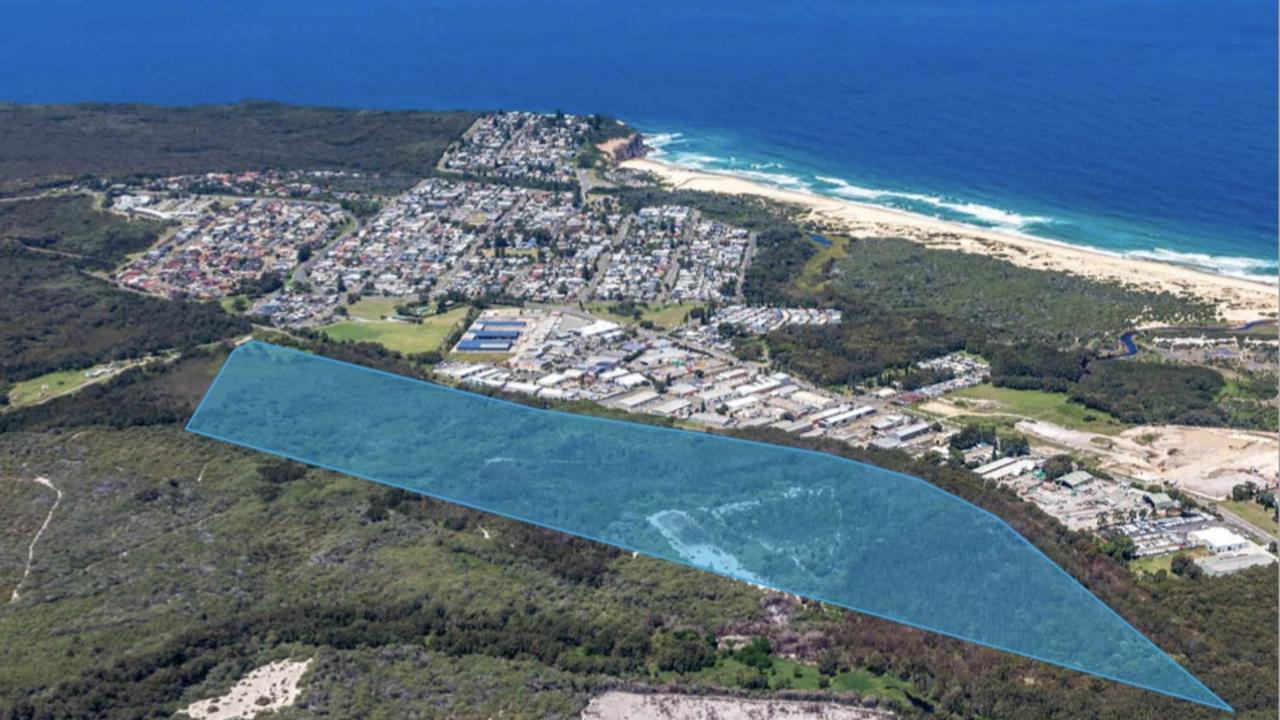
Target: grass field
1036	405
367	325
666	317
811	277
34	390
1152	565
374	308
1253	513
228	304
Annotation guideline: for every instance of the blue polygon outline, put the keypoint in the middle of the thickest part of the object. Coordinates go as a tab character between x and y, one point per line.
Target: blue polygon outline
1220	704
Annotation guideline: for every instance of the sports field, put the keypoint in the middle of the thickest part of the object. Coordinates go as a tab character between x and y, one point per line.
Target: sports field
666	317
367	325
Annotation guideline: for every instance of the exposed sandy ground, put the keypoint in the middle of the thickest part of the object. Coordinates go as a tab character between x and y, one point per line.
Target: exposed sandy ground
948	409
31	549
1238	300
1205	461
617	705
1209	461
266	689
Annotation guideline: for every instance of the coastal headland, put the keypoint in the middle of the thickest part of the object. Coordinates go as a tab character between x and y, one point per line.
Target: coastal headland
1238	300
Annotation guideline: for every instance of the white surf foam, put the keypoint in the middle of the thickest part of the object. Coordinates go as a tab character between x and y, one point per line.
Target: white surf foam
1234	266
983	213
948	208
782	180
756	172
658	141
995	216
689	161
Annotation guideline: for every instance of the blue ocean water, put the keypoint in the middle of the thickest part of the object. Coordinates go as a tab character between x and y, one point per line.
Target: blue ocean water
1142	126
810	523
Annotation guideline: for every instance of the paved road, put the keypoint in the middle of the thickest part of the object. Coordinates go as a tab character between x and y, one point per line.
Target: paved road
747	257
1239	522
300	272
606	258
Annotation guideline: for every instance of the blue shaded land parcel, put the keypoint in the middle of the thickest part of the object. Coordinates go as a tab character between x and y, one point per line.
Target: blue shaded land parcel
846	533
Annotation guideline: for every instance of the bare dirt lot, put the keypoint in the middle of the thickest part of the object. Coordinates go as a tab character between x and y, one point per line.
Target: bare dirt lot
1205	461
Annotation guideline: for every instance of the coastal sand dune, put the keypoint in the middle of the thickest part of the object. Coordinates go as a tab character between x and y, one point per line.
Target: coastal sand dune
269	688
634	706
1238	300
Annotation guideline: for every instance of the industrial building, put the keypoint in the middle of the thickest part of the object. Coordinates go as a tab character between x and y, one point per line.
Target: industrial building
1076	480
492	334
1218	540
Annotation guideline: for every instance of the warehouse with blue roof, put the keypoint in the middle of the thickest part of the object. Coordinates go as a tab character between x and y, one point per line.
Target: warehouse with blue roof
491	334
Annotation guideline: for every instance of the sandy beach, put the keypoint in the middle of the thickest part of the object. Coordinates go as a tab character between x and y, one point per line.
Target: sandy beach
1238	300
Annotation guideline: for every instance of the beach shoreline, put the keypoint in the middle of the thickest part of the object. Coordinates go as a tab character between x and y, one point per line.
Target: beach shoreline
1238	300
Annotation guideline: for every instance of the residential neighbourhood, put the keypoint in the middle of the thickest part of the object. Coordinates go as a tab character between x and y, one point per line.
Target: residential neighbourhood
232	244
295	184
468	240
520	146
668	252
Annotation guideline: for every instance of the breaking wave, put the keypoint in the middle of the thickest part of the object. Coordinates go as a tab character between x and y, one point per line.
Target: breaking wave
919	202
680	150
1241	267
658	141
